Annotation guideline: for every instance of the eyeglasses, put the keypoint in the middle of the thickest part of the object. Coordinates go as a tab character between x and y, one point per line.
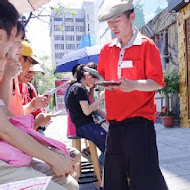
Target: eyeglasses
31	61
32	72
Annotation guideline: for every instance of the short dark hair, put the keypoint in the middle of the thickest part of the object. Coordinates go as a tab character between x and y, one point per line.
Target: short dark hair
20	30
92	65
80	70
128	13
80	73
74	69
8	16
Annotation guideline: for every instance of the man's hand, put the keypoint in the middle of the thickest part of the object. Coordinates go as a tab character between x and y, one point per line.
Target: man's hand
63	165
125	86
12	69
36	103
40	102
43	119
102	95
144	85
75	161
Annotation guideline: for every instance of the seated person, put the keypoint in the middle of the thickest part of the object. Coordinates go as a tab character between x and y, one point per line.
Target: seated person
28	92
27	60
57	162
81	109
10	92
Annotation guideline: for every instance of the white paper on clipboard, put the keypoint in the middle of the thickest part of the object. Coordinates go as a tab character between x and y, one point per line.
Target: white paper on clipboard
54	90
39	183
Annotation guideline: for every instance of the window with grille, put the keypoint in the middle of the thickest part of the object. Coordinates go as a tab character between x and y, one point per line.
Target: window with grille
70	46
59	46
69	28
69	38
59	37
78	37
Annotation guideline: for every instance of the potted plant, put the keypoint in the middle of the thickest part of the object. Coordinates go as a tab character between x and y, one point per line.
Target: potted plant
171	80
167	117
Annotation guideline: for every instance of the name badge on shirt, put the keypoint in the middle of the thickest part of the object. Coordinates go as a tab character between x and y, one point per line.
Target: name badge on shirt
127	64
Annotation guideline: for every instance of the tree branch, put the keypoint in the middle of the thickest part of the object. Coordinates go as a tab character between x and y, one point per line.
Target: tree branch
28	19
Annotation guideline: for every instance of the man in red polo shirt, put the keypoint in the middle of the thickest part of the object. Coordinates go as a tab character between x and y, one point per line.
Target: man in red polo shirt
133	59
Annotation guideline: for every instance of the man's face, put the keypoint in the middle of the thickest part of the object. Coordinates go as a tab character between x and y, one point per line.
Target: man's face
16	49
26	64
27	77
7	42
121	26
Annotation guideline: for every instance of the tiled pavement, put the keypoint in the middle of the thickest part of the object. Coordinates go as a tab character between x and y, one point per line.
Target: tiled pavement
173	147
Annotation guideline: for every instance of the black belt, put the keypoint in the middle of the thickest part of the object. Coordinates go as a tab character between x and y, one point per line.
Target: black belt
129	120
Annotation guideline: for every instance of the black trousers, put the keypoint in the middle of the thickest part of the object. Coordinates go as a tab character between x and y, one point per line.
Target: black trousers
131	153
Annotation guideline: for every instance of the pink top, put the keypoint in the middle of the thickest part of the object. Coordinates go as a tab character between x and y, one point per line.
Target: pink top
71	130
16	157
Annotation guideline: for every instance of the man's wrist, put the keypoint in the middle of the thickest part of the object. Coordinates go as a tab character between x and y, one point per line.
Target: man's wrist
32	103
52	158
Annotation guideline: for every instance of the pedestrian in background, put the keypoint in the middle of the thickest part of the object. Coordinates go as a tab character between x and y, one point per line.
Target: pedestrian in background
81	109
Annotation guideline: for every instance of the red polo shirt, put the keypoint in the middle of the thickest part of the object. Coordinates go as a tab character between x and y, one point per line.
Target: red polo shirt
140	60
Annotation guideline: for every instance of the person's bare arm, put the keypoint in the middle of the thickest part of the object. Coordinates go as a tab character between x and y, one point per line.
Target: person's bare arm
36	102
91	92
103	113
88	109
7	112
12	70
5	85
140	85
43	119
60	165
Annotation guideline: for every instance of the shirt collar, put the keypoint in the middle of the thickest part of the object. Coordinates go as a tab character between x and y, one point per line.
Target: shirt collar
136	39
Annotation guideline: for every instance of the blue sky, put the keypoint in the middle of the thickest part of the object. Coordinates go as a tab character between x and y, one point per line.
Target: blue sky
38	31
151	5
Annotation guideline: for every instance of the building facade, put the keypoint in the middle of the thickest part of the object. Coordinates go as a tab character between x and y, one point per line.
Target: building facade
183	7
68	26
163	30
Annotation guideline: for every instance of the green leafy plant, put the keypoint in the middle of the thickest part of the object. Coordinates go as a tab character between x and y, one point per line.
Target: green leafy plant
171	80
166	112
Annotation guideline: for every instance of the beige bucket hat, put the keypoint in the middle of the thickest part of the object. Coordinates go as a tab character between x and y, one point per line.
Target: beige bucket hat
113	8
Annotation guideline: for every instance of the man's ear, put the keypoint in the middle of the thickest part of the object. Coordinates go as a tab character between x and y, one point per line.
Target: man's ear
132	17
20	58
